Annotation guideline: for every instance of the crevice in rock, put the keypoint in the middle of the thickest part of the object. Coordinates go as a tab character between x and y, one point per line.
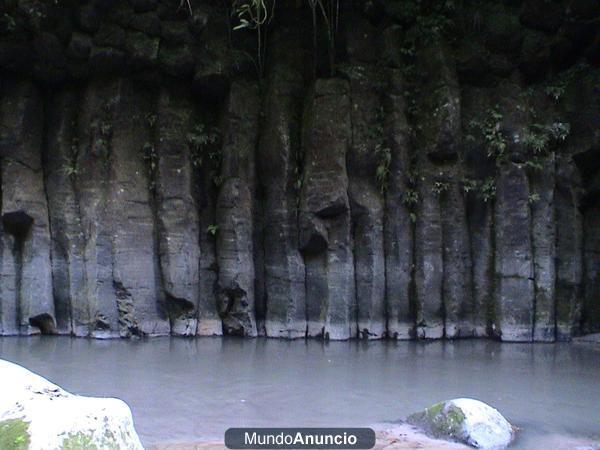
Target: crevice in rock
127	320
181	310
491	313
18	260
45	323
151	161
17	223
233	310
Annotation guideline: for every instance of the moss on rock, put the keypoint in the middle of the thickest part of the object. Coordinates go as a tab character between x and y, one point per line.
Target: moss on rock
440	420
79	441
14	434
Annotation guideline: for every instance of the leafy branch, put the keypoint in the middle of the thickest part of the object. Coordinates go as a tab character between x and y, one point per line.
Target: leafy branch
255	15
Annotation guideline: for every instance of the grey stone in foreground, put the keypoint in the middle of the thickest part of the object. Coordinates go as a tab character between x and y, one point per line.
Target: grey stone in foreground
36	415
466	420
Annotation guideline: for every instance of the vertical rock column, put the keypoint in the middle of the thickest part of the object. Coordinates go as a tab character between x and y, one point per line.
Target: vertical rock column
176	211
542	180
8	283
135	265
481	229
24	212
68	263
205	180
569	248
94	132
234	211
514	264
279	174
367	152
514	259
591	323
368	160
325	228
479	188
543	237
443	261
398	223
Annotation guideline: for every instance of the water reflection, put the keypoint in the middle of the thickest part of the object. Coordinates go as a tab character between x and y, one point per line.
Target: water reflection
187	389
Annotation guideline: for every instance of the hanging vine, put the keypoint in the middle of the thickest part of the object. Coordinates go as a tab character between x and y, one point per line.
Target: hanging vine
255	15
330	12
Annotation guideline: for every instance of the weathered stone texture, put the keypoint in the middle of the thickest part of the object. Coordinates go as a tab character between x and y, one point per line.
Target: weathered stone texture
433	174
279	174
24	209
234	212
325	223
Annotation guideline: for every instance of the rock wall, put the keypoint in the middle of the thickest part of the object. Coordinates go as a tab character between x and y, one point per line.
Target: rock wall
440	180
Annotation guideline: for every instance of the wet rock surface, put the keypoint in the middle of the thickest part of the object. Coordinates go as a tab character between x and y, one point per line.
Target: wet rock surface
466	420
36	414
439	180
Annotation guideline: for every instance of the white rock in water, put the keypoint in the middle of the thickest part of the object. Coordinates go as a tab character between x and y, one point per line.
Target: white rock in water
38	415
466	420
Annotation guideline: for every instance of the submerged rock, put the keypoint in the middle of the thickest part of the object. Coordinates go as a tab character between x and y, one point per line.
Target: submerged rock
466	420
36	414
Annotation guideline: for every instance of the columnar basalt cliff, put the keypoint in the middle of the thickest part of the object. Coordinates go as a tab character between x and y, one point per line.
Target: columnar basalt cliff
403	170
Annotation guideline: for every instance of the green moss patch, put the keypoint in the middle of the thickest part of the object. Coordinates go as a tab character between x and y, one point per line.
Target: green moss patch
439	422
14	434
79	441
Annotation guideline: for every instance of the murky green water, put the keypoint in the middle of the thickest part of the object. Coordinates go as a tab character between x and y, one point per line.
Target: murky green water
184	390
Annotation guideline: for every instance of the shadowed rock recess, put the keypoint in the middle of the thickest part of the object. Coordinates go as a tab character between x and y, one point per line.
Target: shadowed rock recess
440	180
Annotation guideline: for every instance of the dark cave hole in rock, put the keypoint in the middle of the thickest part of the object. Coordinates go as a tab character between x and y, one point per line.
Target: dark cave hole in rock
212	87
17	223
101	323
45	323
179	308
446	157
588	162
335	208
315	244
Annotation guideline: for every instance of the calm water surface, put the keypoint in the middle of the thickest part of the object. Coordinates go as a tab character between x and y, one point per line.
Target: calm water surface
185	390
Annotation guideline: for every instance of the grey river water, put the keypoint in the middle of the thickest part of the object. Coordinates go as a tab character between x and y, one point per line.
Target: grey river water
193	389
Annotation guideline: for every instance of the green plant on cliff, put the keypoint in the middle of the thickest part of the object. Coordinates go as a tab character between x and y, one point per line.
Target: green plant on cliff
557	87
382	172
469	185
534	197
205	153
200	139
410	197
212	229
9	22
70	166
540	140
487	191
439	187
484	189
491	131
255	15
375	141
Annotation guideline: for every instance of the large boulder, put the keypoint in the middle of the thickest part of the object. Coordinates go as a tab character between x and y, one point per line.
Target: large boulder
466	420
36	414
